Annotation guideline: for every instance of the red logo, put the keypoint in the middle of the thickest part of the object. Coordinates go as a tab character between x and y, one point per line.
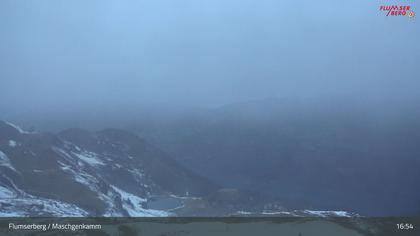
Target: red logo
410	14
396	10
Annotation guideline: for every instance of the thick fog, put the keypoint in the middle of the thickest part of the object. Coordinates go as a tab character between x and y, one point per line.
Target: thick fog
205	53
314	103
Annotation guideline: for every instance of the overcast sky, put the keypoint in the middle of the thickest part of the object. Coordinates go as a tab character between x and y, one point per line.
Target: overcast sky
203	52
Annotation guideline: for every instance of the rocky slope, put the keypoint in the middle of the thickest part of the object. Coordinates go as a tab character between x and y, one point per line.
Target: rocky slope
112	173
77	173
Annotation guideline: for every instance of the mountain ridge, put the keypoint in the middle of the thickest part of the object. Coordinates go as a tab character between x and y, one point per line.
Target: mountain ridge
96	175
113	173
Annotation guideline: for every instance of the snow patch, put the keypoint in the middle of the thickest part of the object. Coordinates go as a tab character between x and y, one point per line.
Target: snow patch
138	174
133	205
90	158
186	197
4	161
328	213
270	213
31	206
80	176
12	143
9	214
6	193
278	213
300	213
244	212
64	166
20	130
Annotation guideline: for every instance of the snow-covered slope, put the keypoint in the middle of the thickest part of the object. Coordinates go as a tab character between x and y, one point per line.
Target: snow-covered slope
77	173
112	173
298	213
